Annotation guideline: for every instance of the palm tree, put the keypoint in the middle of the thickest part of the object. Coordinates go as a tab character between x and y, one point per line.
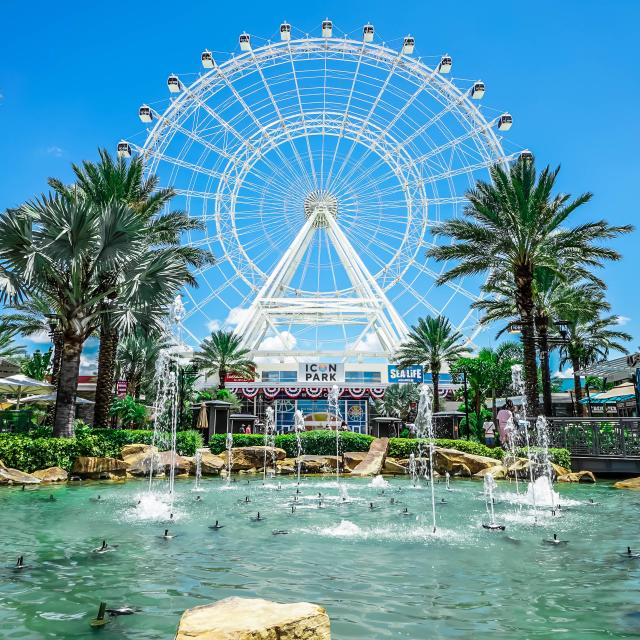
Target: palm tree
124	182
67	250
515	223
498	371
432	342
589	340
32	317
397	401
222	353
553	299
9	350
136	359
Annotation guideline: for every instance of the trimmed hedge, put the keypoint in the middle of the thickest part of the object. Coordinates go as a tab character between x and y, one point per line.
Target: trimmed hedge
316	443
29	454
403	447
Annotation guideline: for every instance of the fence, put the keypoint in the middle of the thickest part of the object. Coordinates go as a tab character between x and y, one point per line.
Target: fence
596	437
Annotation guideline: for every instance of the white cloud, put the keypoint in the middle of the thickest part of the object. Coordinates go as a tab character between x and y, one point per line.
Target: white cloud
567	373
56	152
40	337
236	316
88	364
623	320
369	343
213	325
282	342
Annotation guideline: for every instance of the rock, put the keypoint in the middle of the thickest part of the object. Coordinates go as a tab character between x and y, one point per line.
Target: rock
352	459
52	474
372	464
243	458
13	476
182	464
134	449
287	466
317	464
99	468
254	619
140	460
210	465
630	483
520	468
498	472
394	466
577	476
450	460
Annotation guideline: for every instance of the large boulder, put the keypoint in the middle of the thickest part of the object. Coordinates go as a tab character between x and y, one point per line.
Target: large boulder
254	619
317	464
630	483
99	468
352	459
210	464
394	467
136	448
141	458
244	458
52	474
452	461
498	472
578	476
287	466
520	469
373	463
183	465
14	476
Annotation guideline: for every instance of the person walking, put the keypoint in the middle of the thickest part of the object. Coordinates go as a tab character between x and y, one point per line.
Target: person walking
504	415
489	433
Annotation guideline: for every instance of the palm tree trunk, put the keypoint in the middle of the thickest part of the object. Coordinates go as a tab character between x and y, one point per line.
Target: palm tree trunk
542	325
58	342
222	374
106	368
524	301
435	378
67	388
577	386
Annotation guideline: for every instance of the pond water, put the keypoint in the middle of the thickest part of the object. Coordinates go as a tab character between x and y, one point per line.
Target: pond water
379	573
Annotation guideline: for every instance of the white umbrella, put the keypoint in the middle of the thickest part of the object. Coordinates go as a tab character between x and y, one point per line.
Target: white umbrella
19	384
51	397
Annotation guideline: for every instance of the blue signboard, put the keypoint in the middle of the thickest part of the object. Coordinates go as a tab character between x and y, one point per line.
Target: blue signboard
410	374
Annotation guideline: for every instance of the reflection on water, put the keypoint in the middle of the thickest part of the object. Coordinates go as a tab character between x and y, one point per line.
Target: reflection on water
370	559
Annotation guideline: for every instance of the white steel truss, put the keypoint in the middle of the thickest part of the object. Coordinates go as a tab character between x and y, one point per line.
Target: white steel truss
369	306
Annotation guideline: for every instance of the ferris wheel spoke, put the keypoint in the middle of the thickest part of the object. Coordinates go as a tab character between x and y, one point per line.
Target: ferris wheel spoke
457	288
267	88
254	118
369	115
346	115
469	169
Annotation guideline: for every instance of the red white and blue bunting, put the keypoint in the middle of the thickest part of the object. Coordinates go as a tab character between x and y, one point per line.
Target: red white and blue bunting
314	393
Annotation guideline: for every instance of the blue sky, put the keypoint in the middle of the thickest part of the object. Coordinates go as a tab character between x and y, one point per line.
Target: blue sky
73	74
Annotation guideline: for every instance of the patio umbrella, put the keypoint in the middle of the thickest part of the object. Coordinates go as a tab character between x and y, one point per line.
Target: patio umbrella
203	421
50	397
19	384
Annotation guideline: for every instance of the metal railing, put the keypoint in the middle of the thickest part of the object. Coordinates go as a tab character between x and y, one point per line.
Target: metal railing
596	437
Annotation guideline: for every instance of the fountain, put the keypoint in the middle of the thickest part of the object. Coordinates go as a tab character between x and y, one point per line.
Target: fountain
298	427
424	429
413	468
334	410
489	487
269	441
229	448
198	478
518	385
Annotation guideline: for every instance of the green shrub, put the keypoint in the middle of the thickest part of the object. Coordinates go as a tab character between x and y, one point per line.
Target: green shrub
27	453
403	447
186	441
560	457
316	443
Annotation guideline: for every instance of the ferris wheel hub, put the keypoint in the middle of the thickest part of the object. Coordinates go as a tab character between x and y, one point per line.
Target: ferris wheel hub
321	204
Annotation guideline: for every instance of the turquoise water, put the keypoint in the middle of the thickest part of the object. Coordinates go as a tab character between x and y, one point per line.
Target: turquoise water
379	574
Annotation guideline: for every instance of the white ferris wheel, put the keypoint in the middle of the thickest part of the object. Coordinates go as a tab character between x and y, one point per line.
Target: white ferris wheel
319	164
